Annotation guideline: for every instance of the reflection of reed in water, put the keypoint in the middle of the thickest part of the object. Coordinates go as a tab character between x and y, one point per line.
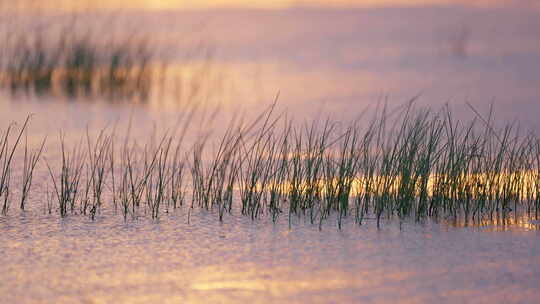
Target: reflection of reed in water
499	222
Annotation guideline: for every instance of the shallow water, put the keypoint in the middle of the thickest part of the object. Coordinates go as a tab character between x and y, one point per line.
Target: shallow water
46	259
334	62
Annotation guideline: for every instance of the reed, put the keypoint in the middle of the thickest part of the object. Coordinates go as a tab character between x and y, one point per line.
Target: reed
409	163
7	151
67	183
97	169
30	161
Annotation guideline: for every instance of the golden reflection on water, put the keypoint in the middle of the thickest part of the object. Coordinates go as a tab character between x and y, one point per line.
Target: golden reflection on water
255	279
218	283
249	283
511	222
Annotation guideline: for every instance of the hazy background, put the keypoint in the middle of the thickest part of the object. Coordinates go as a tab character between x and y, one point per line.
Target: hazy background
335	57
263	4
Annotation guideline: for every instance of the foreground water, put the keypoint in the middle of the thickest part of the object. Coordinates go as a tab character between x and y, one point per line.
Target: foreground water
50	260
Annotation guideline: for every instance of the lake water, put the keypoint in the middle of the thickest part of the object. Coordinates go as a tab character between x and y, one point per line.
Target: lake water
45	259
335	62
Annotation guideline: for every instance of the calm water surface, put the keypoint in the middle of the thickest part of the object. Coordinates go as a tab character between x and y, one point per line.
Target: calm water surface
48	260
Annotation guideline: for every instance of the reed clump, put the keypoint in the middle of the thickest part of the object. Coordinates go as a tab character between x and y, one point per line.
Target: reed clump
76	63
410	163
